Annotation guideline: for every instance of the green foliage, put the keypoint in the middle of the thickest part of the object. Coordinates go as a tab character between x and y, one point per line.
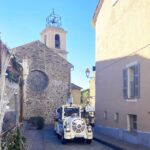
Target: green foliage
16	65
14	74
37	122
85	96
13	140
12	77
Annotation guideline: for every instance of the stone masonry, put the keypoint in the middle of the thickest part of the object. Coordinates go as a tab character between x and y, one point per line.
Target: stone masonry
47	80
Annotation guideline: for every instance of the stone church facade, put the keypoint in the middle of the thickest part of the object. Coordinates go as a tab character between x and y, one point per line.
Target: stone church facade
46	74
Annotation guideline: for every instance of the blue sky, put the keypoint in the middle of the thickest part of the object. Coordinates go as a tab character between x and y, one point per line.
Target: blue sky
21	21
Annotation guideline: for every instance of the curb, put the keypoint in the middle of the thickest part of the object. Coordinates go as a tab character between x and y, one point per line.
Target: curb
108	144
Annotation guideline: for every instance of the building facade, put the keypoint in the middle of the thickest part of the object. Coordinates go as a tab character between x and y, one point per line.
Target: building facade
47	79
46	72
122	69
92	91
76	94
10	89
55	38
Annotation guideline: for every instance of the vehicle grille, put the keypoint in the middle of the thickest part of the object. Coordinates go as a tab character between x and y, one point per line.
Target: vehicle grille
78	125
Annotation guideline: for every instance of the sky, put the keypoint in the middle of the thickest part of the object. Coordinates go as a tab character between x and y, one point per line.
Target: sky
21	21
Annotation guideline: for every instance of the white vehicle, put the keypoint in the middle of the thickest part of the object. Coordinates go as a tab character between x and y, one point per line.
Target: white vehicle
69	124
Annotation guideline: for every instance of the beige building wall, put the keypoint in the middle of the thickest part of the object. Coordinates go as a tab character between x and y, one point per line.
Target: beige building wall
48	38
76	94
122	38
92	91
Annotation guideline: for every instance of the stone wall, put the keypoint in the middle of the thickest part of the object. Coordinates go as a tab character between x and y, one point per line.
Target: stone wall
47	82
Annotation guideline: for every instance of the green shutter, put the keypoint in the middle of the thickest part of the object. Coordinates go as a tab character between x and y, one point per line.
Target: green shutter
125	83
137	80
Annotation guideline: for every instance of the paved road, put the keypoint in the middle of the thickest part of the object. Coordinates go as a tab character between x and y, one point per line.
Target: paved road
47	140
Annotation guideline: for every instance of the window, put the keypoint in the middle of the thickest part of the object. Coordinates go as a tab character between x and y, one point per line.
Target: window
105	115
57	41
71	111
116	117
132	122
131	81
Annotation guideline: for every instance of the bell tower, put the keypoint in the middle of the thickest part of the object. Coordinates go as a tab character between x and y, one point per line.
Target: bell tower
53	36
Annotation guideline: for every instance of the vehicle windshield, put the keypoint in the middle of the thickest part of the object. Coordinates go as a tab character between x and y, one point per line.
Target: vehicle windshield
71	112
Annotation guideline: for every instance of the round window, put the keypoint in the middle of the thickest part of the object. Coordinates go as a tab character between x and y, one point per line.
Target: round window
37	80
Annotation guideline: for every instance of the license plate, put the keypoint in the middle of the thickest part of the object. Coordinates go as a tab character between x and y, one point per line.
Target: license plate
79	135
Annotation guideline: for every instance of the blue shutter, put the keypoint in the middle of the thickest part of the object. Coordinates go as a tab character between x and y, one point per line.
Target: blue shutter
137	80
125	83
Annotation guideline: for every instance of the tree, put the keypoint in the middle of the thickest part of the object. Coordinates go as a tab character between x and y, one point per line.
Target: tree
85	95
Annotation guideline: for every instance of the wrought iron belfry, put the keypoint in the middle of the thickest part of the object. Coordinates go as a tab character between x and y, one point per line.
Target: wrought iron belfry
53	20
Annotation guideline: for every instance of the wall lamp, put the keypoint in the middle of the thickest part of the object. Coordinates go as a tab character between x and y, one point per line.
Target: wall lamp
87	72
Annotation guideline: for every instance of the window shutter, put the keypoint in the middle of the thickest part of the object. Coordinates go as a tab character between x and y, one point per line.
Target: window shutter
125	83
137	80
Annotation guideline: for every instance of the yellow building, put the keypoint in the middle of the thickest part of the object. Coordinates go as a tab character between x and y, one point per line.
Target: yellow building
92	91
76	93
123	69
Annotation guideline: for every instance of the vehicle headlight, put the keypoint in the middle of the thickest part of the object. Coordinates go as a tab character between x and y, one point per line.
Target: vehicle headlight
67	129
89	129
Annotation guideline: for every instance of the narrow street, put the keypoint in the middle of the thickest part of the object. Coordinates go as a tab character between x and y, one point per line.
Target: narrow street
47	140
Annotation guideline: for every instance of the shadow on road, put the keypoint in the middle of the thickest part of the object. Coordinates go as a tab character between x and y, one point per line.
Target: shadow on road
46	139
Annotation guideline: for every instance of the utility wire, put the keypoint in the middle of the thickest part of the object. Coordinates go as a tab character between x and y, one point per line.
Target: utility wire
117	61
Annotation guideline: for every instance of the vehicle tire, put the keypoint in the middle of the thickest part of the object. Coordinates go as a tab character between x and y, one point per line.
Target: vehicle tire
55	132
63	141
59	137
89	141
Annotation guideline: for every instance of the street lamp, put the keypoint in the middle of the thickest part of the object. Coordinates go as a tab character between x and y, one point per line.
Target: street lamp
87	72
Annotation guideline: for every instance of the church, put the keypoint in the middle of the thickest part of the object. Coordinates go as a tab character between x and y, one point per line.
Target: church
46	71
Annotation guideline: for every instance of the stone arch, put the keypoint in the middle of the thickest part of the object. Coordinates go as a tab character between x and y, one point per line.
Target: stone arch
9	120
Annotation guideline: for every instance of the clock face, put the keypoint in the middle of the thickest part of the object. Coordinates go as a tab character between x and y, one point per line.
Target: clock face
37	81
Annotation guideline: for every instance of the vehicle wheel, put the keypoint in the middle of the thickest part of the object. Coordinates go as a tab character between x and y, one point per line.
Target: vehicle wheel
63	141
89	141
58	136
55	132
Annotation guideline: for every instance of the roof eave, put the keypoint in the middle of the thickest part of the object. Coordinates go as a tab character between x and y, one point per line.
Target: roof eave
99	5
